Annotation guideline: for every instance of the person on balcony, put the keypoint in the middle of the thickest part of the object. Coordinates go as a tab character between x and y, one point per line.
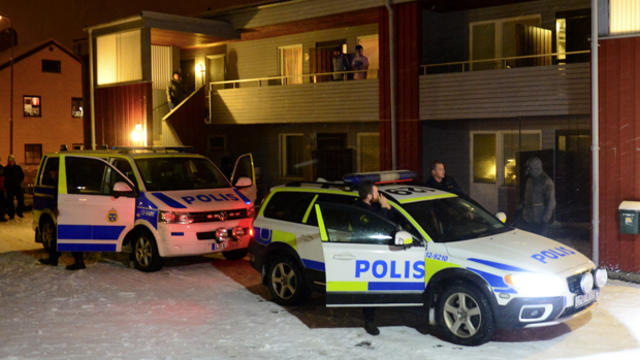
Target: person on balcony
360	63
340	64
176	92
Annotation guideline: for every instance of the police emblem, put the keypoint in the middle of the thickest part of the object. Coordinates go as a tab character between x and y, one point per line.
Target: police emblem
112	215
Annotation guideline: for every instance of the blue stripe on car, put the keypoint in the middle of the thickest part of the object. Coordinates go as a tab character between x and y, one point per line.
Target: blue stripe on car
169	201
94	232
493	280
86	247
392	285
497	265
313	265
146	210
244	198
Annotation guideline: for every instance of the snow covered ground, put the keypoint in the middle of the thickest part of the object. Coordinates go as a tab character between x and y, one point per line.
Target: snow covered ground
210	308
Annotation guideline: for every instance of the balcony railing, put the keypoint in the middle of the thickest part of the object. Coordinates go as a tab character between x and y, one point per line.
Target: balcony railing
295	79
504	62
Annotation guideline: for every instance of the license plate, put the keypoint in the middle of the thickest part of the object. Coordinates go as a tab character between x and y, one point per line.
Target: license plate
220	246
585	299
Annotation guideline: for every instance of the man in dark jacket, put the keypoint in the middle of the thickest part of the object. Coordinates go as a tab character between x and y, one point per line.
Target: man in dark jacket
13	177
439	180
176	92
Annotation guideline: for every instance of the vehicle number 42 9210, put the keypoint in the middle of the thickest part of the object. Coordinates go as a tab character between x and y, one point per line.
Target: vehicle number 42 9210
434	256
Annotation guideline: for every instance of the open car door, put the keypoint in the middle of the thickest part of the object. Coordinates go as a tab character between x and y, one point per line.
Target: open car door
243	177
367	260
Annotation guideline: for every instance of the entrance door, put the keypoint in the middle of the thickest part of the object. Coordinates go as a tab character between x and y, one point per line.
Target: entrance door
92	217
494	166
216	69
363	267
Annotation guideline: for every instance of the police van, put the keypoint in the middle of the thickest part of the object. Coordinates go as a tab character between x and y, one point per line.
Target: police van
151	202
470	271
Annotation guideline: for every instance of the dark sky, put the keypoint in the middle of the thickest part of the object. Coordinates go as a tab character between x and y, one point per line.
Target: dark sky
63	20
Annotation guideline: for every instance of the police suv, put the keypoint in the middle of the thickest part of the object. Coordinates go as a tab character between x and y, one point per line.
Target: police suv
470	271
152	202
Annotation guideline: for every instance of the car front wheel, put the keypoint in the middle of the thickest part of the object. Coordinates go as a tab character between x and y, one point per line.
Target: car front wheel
48	235
465	316
145	253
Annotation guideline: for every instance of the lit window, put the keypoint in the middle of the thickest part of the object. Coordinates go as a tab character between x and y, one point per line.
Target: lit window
291	64
484	158
513	144
32	106
119	57
624	16
32	153
77	110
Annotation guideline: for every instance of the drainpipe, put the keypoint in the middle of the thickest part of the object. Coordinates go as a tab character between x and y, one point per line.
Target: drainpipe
392	89
92	100
595	146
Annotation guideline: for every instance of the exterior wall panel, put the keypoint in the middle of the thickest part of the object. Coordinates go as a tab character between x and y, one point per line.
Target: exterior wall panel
305	103
118	109
619	124
530	91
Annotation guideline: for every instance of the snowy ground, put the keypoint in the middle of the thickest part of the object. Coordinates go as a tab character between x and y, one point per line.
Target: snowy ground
210	308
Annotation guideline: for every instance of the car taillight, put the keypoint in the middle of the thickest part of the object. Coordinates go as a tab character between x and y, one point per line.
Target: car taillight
251	211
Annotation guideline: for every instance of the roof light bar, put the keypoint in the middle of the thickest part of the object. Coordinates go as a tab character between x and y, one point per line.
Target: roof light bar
380	177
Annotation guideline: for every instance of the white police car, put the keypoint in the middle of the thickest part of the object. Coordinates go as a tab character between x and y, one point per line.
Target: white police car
153	202
440	251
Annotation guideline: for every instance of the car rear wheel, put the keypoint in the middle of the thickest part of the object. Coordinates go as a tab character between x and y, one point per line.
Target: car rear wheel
145	253
48	235
286	282
464	315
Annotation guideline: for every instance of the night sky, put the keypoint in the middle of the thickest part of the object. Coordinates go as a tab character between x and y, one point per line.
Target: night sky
63	20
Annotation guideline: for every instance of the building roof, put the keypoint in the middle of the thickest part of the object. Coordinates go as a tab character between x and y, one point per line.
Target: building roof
27	53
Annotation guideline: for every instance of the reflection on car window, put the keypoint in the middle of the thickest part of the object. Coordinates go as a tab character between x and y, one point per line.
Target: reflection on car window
454	219
85	176
330	198
125	168
356	225
180	173
288	206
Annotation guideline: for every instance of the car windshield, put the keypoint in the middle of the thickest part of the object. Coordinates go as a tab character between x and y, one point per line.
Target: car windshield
180	173
454	219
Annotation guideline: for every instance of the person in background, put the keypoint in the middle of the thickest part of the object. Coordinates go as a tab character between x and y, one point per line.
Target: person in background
176	92
439	180
361	63
539	200
13	177
340	64
3	201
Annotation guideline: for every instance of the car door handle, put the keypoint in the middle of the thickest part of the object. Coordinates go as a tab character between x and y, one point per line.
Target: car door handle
343	257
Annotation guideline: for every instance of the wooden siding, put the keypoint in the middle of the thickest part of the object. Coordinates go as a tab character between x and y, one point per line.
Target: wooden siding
261	58
187	122
118	109
530	91
298	10
619	125
355	100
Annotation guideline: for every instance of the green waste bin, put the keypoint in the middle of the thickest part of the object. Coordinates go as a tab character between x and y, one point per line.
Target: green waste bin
629	217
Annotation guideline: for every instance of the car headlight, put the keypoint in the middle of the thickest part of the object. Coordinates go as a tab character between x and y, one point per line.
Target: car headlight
601	277
586	282
172	217
528	284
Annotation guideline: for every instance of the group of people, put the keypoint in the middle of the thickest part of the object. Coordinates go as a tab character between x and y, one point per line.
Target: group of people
11	177
341	63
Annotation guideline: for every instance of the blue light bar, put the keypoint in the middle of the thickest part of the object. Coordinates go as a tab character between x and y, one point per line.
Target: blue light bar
380	177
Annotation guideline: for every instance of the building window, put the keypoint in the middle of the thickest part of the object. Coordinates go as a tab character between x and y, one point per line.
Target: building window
291	152
484	158
291	64
624	16
32	153
512	145
77	110
32	106
119	57
369	45
51	66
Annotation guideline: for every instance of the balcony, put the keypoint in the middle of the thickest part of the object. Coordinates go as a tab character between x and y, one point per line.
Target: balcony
495	88
277	99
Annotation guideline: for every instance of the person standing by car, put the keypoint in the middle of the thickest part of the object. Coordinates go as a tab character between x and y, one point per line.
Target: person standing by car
439	179
13	177
373	201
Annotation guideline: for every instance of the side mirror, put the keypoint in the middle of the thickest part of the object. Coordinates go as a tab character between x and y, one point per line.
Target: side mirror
501	216
243	182
121	188
403	238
